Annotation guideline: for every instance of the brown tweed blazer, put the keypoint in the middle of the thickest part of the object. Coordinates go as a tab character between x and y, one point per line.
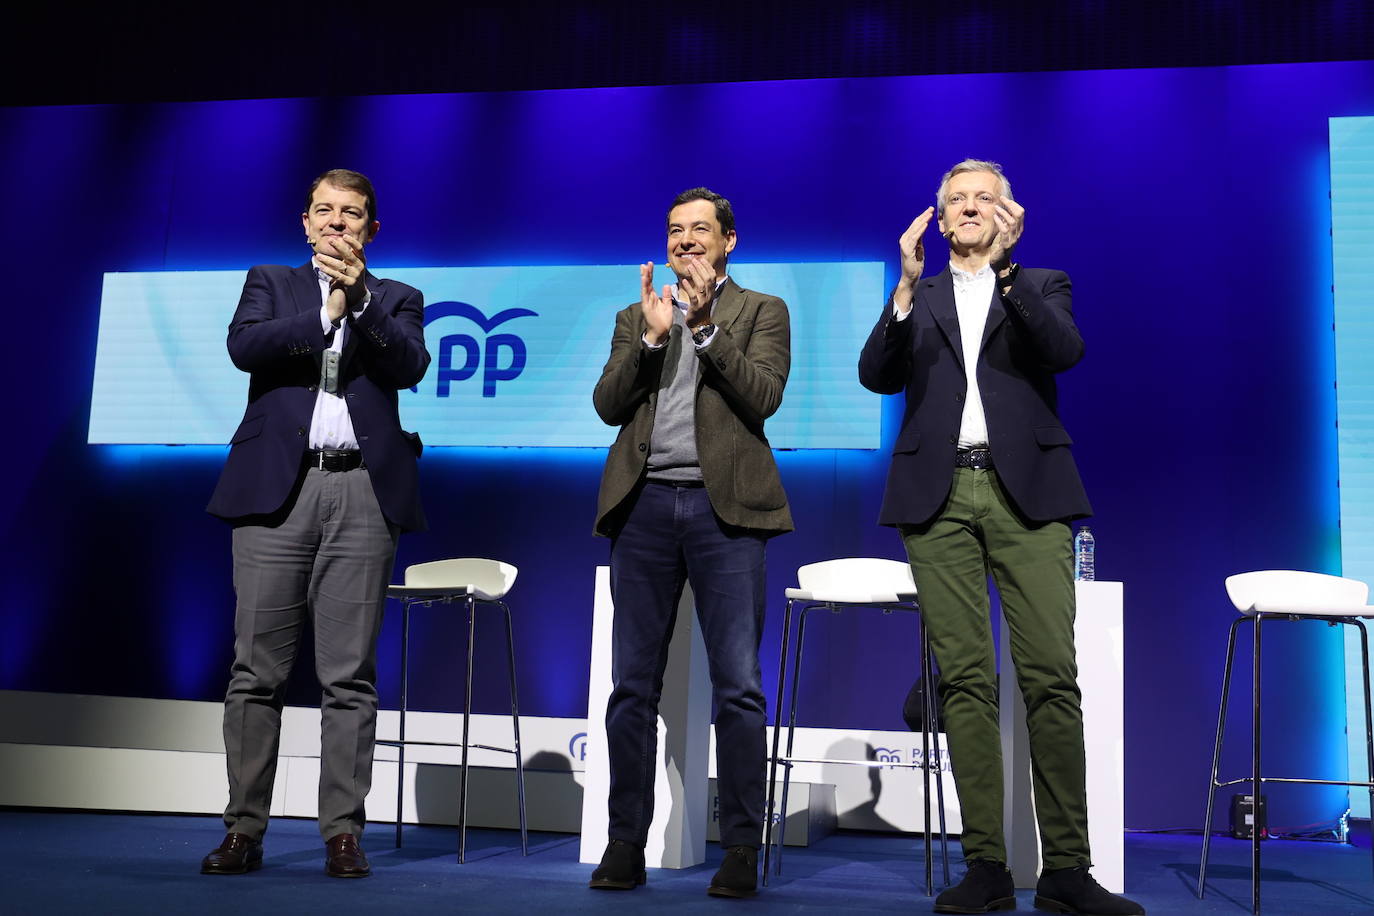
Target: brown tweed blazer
743	372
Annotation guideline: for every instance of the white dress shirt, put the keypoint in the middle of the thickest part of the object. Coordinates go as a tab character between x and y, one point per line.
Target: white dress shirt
330	425
972	299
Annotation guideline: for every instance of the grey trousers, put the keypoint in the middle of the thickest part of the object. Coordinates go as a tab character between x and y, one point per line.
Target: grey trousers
329	560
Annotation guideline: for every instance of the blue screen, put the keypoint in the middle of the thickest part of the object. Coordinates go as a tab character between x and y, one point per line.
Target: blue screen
515	352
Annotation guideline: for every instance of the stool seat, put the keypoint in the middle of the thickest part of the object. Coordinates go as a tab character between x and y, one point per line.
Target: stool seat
431	593
1291	609
848	596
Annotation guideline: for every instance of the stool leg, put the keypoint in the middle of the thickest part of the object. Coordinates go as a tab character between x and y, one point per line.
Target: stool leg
515	724
1216	758
401	731
933	718
769	813
1255	775
791	729
467	720
925	761
1368	716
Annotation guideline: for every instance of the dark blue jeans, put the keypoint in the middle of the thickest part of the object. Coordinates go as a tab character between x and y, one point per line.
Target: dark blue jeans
672	536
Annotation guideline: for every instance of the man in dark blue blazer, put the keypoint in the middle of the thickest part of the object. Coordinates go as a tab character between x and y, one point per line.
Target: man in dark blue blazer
982	480
319	484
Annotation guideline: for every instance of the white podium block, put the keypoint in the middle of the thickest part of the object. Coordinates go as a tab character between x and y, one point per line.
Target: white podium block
677	835
810	813
1099	638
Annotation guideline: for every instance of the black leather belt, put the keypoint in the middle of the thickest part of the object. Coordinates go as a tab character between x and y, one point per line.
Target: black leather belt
334	459
680	484
977	458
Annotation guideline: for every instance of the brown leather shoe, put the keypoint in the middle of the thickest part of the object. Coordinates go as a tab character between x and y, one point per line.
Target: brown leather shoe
344	858
236	855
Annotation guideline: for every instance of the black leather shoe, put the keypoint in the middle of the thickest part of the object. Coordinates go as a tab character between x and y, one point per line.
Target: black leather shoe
621	868
1073	891
344	858
738	875
987	887
236	855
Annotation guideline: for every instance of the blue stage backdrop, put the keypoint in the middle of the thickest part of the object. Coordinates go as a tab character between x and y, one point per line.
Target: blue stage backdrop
1189	206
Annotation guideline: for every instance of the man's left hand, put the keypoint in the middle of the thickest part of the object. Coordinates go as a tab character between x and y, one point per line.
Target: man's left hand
342	260
1011	220
698	287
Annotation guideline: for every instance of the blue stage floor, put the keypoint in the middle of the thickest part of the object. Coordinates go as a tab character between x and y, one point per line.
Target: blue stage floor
64	862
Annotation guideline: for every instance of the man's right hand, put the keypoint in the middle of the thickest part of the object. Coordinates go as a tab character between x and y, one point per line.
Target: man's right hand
913	259
658	309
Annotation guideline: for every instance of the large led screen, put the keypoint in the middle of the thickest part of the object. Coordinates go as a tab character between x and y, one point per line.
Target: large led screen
1352	256
516	352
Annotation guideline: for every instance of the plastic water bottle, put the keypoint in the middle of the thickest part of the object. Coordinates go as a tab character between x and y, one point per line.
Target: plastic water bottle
1084	550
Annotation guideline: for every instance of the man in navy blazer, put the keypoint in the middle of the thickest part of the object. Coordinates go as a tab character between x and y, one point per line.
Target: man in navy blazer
982	480
319	484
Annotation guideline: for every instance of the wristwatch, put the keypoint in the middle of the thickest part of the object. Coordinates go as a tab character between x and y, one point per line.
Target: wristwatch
703	333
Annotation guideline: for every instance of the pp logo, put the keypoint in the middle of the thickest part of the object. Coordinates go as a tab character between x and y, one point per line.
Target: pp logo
501	357
939	763
577	747
887	755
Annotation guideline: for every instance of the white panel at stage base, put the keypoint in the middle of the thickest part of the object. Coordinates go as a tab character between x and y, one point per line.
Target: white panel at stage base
167	756
677	834
1099	637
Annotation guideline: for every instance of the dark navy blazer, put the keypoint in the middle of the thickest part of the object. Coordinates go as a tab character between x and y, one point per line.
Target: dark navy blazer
275	336
1029	337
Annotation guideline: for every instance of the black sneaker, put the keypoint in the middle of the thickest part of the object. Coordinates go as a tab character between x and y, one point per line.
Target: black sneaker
1073	891
738	875
621	868
987	886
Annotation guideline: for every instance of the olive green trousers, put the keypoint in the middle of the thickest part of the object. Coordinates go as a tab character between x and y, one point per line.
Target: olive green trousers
979	532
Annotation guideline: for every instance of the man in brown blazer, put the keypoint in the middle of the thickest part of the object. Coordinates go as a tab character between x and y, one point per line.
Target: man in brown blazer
691	493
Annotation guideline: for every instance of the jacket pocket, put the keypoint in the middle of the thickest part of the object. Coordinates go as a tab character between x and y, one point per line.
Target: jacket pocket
248	429
908	440
1050	436
757	483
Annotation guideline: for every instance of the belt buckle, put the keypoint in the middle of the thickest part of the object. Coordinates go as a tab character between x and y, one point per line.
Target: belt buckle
978	459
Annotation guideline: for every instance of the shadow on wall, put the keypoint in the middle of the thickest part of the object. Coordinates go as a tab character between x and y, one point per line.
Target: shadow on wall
553	795
864	783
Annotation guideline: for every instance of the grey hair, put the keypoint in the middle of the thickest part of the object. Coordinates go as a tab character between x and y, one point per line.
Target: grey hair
970	165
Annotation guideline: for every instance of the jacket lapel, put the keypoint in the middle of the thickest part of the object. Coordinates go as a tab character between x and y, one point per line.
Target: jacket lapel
997	313
305	287
728	305
378	290
939	296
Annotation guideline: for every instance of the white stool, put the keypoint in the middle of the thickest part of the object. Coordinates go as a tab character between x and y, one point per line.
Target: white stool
1282	594
885	585
476	583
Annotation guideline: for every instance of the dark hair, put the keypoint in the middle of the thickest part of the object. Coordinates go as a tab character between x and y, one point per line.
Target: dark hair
349	180
725	215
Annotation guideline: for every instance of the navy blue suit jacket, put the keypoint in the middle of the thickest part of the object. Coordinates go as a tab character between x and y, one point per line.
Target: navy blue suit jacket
275	336
1029	337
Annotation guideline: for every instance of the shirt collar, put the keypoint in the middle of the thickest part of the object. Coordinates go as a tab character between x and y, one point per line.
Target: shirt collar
964	279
